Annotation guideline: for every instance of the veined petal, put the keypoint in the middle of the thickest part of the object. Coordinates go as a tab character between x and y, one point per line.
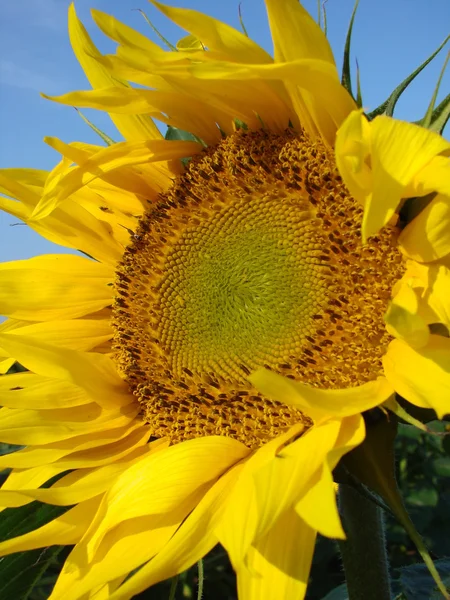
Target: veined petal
54	286
32	427
109	159
16	189
127	182
395	152
352	150
6	364
215	35
279	563
165	479
265	491
93	372
427	236
29	390
131	127
411	370
320	403
434	177
184	112
192	540
69	528
77	486
295	34
72	226
124	549
75	456
403	320
122	34
94	457
77	334
318	506
431	283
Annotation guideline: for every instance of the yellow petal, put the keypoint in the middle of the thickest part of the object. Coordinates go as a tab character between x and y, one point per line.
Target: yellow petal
318	506
215	35
77	486
131	127
398	151
403	320
279	563
125	35
95	373
126	182
183	112
192	540
320	403
295	34
53	286
69	528
77	334
72	227
125	548
434	177
72	457
161	481
268	489
29	390
421	376
352	151
44	427
6	364
109	159
427	237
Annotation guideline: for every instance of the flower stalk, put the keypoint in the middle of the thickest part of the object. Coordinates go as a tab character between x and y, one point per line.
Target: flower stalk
364	551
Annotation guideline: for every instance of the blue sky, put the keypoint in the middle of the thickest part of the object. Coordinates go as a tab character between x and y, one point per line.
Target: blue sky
391	38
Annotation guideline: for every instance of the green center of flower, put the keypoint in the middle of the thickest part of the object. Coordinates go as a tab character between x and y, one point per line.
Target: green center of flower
240	290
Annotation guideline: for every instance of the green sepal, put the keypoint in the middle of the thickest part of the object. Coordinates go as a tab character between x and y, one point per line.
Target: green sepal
241	20
428	118
373	463
402	414
440	116
160	35
387	107
346	78
173	133
108	141
359	100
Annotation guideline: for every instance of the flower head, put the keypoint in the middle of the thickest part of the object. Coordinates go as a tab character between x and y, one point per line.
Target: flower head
199	380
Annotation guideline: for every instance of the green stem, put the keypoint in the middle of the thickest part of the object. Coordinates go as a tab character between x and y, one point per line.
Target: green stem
363	552
201	579
173	587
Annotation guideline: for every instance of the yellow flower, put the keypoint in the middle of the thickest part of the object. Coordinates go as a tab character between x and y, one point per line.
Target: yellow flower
199	380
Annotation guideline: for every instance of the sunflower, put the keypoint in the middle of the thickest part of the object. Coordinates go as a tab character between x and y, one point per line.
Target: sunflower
196	377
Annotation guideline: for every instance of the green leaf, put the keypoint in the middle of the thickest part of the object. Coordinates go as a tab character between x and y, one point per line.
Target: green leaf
426	496
339	593
387	107
416	582
441	466
22	572
346	79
